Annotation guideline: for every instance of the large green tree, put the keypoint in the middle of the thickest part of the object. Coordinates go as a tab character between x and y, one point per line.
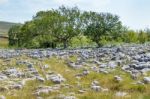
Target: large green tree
67	25
57	27
61	24
100	25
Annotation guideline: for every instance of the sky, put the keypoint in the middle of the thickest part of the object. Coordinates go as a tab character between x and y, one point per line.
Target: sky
133	13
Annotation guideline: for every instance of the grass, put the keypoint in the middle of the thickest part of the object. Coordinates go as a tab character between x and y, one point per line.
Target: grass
3	43
60	66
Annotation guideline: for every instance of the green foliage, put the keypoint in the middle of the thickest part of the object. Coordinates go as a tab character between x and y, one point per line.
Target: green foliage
71	27
81	41
13	35
100	25
142	37
130	37
68	25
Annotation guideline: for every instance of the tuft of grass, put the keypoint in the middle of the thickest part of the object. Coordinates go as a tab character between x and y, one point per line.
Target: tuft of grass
3	43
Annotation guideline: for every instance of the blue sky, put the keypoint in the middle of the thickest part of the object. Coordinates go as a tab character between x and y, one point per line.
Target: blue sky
133	13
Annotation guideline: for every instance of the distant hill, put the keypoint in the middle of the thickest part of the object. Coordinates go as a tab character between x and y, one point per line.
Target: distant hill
5	26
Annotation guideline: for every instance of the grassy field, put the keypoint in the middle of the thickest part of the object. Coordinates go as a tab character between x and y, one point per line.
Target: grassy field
59	66
3	43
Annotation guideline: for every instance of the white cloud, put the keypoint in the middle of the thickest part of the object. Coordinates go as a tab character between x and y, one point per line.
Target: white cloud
3	1
83	4
132	13
76	2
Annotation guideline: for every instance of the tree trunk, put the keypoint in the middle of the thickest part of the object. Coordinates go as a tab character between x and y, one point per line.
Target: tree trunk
65	44
99	44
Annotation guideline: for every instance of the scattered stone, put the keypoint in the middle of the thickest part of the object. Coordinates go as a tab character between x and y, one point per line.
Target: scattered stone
74	65
56	78
139	83
112	64
13	73
103	71
41	79
3	77
16	86
46	66
81	91
121	94
146	80
69	97
118	78
105	89
43	90
133	59
95	86
61	96
46	89
86	72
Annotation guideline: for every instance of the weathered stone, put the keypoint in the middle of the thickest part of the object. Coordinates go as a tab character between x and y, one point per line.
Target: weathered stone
86	72
81	91
95	86
118	78
69	97
13	73
16	86
46	89
3	77
74	65
103	71
46	66
112	64
43	91
121	94
41	79
61	96
56	78
146	80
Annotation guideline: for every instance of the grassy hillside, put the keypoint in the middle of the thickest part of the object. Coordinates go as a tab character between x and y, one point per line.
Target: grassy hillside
5	26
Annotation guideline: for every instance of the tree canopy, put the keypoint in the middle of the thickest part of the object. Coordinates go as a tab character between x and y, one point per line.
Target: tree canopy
65	26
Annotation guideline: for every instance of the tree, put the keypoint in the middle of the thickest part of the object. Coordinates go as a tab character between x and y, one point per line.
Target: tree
61	24
67	25
101	25
44	22
27	34
13	35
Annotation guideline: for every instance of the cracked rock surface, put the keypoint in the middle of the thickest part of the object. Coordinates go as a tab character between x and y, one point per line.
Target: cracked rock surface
110	72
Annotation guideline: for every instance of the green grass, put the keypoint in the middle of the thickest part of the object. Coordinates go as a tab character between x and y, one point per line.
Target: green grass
3	43
60	66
